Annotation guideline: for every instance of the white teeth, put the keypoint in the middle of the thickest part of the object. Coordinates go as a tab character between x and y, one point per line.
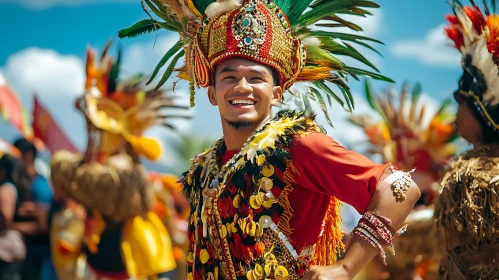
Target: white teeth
242	102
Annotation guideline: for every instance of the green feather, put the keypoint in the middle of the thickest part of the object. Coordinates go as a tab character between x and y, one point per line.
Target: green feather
329	99
357	55
114	73
322	104
416	92
347	94
296	10
157	11
339	22
170	68
141	27
357	12
173	50
160	7
322	86
341	36
356	71
345	37
369	95
346	50
308	106
329	7
316	53
284	5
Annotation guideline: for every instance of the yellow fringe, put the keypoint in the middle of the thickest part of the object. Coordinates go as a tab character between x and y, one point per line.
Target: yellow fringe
309	74
288	212
330	243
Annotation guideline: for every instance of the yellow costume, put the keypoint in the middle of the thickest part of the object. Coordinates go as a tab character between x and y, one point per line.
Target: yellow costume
113	192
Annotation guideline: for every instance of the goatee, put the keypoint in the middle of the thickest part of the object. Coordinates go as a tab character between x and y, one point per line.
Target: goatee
239	125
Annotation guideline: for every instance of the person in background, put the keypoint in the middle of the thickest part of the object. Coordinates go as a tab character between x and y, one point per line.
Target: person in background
38	263
14	188
467	210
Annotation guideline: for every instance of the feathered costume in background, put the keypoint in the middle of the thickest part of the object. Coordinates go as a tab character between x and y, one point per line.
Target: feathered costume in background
108	180
468	207
402	136
283	34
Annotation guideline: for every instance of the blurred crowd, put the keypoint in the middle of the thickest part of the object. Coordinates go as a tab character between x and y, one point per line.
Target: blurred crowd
26	203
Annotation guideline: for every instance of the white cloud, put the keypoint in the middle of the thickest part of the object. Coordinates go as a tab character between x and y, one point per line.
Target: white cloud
44	4
143	57
433	49
45	71
56	79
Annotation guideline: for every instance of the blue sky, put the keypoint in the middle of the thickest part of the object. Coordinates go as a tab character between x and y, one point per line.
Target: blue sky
44	43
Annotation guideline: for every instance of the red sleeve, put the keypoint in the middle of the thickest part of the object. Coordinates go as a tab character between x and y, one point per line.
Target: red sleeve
326	167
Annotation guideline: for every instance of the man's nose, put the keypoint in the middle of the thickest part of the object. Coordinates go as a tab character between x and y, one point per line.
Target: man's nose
243	86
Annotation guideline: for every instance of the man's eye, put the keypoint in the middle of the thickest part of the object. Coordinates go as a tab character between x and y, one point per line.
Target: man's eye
230	78
257	79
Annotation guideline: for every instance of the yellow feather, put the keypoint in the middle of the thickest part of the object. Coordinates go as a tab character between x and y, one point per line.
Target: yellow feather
146	146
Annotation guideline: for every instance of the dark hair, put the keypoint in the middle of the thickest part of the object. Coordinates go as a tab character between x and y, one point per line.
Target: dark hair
24	146
489	135
17	175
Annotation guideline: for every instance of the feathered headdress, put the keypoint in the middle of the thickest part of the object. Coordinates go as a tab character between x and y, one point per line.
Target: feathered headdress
476	36
402	137
120	111
283	34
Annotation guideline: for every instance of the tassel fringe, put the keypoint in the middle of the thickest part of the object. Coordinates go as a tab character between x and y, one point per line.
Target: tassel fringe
284	220
330	244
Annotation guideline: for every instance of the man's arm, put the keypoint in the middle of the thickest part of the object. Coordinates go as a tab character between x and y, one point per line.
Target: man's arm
328	168
359	252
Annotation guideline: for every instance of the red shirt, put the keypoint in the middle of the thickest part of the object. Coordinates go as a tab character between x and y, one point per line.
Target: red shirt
326	169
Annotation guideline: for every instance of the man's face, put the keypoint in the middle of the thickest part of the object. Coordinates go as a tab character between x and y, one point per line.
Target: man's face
244	91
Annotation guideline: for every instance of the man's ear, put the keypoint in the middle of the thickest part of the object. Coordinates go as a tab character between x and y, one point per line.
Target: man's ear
277	95
211	95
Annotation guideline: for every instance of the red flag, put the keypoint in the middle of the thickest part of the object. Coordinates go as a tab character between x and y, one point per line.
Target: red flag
47	130
12	109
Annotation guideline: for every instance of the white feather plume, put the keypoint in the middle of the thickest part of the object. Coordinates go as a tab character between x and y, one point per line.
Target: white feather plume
311	41
475	45
219	7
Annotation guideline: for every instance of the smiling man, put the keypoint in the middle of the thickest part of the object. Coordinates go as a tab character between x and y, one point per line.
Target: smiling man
244	91
265	198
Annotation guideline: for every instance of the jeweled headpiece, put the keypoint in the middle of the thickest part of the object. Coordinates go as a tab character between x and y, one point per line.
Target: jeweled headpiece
476	36
282	34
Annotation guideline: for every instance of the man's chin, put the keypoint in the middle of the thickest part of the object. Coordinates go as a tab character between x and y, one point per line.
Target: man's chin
240	125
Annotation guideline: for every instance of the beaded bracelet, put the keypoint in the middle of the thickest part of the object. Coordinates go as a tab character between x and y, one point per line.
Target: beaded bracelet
379	226
378	229
371	240
375	234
